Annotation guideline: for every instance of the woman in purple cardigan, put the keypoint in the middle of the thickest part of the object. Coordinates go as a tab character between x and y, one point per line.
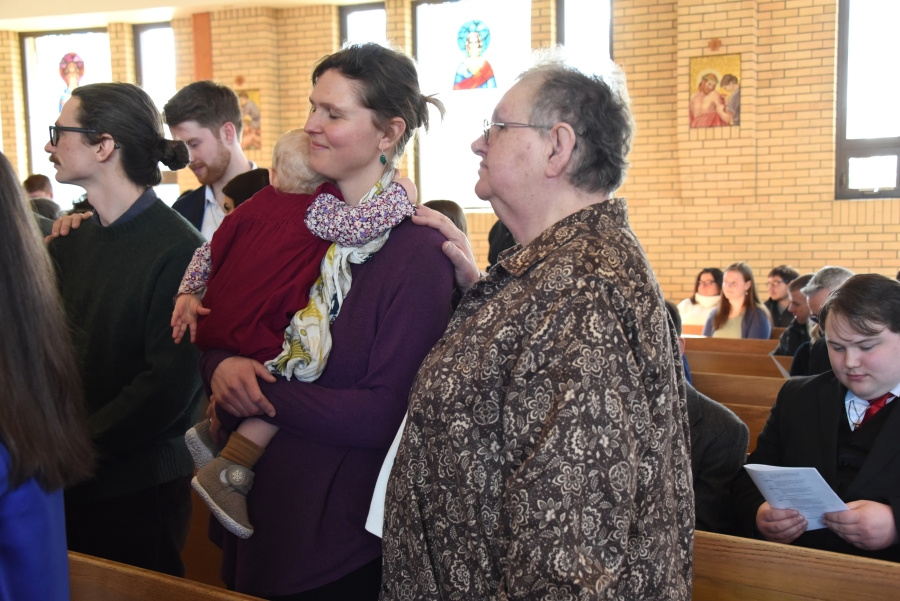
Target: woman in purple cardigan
314	483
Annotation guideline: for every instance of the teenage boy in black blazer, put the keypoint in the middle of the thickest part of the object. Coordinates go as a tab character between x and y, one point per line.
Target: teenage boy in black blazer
830	422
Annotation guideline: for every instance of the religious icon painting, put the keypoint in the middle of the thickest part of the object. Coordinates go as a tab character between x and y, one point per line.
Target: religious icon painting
474	71
251	138
71	70
715	85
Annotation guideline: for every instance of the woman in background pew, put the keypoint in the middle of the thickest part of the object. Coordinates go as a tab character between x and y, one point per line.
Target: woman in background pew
695	309
44	444
740	313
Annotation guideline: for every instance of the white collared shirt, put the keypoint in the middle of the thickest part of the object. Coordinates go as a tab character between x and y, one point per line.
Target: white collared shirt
855	407
213	213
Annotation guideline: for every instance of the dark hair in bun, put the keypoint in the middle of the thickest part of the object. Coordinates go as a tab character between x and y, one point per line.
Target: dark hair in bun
126	113
174	154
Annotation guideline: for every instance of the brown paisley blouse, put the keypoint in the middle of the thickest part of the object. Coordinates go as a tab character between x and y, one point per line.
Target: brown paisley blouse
546	454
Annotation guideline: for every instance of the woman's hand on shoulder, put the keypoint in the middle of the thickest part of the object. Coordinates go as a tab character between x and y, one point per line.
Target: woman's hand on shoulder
457	247
236	388
67	223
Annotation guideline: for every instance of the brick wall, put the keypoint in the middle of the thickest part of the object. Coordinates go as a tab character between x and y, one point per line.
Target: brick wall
761	192
543	23
12	103
121	49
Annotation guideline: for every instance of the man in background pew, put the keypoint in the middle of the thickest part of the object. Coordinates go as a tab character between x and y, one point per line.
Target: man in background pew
797	331
719	442
845	424
812	359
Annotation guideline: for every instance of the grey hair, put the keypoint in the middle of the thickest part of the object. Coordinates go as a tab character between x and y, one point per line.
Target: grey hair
597	108
829	277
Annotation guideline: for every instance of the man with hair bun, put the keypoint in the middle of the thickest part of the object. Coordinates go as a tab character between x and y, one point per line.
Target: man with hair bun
117	275
846	424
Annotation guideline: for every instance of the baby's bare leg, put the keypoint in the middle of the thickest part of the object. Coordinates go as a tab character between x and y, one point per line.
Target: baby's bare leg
257	431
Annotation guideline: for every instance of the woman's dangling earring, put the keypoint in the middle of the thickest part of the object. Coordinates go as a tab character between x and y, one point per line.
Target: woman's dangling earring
383	158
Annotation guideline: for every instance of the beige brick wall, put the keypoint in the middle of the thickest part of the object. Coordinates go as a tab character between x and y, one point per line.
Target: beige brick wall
763	192
12	103
245	56
543	23
121	49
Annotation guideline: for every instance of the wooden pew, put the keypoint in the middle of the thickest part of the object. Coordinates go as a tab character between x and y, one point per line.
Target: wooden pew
732	363
741	390
727	568
745	346
689	330
776	333
94	579
202	559
755	417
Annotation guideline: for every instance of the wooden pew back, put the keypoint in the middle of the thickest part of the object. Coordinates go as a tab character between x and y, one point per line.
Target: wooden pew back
755	418
733	363
740	390
745	346
95	579
737	569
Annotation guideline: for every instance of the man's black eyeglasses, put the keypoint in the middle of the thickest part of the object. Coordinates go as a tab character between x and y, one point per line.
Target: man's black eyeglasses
55	129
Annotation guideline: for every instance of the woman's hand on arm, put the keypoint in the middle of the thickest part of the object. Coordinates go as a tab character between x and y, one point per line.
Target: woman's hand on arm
235	387
66	223
457	247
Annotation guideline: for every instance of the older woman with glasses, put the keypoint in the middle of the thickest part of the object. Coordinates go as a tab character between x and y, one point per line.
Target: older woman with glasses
695	309
545	449
740	313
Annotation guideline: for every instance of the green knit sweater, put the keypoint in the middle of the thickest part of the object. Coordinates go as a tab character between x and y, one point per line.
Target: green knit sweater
142	390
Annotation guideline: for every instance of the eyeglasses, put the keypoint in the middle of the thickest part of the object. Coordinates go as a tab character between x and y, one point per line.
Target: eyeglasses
489	124
775	282
55	129
705	283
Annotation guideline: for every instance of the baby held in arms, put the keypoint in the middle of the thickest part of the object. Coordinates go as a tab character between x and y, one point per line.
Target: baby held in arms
285	251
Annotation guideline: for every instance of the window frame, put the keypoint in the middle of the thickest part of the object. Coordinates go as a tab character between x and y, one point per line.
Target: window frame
347	10
137	30
23	36
845	149
561	24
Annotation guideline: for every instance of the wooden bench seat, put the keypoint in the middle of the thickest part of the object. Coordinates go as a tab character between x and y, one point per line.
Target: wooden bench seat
741	390
755	418
747	346
727	568
733	363
689	330
94	579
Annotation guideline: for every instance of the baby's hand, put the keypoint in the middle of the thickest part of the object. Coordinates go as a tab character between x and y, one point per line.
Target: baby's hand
187	307
411	192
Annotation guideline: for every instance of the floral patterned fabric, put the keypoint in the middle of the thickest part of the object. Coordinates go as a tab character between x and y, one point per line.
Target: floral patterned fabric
330	218
197	273
546	454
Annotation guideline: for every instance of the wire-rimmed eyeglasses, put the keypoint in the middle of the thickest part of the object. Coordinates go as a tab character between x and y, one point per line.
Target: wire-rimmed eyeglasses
55	129
489	124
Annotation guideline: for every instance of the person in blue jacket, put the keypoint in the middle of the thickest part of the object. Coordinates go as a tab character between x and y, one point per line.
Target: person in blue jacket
44	444
740	313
